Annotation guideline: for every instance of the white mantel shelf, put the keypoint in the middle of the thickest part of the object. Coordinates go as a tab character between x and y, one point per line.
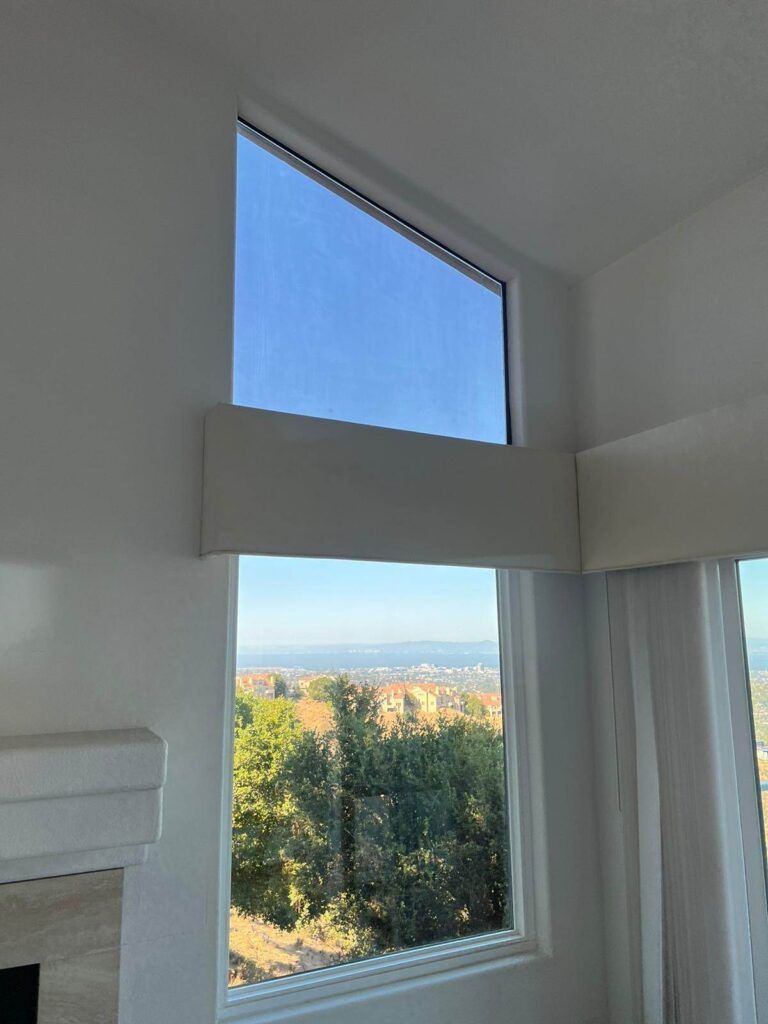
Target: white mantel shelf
81	801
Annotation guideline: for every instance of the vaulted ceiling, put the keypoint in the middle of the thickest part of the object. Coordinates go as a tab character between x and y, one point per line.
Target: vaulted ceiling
572	130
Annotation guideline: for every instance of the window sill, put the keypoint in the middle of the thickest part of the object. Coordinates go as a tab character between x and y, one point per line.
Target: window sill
268	1000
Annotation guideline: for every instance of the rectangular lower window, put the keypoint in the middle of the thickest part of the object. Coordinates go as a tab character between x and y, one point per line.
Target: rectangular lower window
369	783
753	577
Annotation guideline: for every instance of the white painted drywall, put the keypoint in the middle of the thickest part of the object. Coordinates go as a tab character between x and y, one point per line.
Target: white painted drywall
117	195
680	325
696	488
571	130
117	207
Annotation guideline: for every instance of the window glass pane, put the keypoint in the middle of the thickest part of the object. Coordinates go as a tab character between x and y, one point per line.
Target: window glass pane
369	771
339	315
753	576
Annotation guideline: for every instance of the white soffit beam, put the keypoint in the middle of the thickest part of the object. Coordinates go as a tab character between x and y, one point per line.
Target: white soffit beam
281	484
696	488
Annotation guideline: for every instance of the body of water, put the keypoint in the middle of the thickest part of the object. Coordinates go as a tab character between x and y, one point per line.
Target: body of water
326	659
757	653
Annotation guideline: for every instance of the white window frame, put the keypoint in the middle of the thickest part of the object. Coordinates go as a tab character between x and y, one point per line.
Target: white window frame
744	758
263	1000
530	934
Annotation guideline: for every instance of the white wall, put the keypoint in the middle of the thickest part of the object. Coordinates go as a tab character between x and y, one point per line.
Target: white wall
678	326
117	210
116	268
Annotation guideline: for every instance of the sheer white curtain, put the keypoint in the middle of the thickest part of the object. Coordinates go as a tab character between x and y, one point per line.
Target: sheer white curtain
669	646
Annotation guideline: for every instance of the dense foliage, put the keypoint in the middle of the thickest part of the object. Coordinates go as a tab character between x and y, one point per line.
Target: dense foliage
393	835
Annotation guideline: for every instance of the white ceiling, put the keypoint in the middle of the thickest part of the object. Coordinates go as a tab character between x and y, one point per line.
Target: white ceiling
571	130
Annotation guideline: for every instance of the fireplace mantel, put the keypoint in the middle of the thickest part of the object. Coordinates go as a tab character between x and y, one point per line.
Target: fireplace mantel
76	802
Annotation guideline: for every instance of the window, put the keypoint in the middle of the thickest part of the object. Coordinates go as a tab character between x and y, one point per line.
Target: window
343	312
753	577
369	808
373	806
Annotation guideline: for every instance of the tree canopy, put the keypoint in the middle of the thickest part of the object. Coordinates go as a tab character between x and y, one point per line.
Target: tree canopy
394	834
319	688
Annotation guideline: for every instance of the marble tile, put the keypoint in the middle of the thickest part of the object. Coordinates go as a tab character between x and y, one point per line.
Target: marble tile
81	990
60	918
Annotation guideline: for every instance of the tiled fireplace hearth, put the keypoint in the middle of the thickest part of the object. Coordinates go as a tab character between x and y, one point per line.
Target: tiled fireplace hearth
75	810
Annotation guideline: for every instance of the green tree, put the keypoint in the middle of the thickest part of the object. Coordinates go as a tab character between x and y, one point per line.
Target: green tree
280	685
440	867
320	688
358	736
267	733
473	706
393	836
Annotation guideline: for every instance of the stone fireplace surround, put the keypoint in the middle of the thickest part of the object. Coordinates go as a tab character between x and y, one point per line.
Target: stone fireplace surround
75	809
70	925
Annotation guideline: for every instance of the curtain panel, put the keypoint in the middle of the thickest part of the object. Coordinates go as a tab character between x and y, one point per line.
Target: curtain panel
668	639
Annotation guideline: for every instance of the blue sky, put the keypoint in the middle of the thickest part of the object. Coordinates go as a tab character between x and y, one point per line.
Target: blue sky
319	601
338	315
753	574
